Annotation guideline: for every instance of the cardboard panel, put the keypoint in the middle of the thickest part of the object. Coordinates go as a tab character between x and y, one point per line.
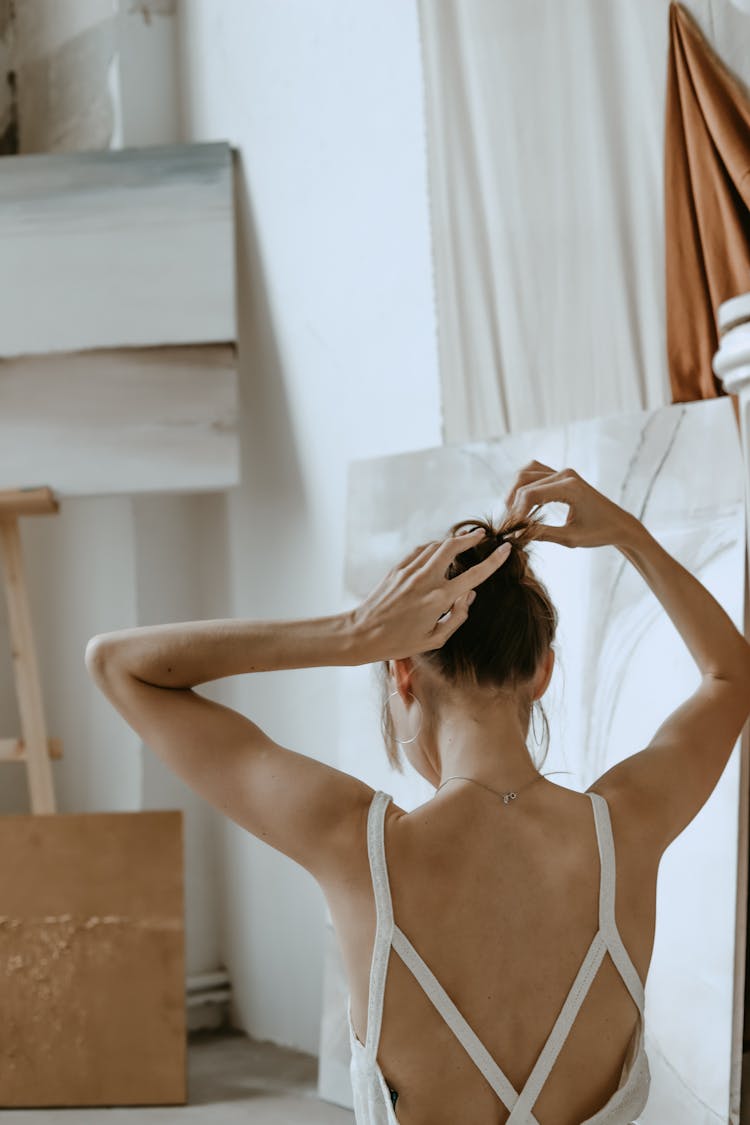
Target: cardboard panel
92	961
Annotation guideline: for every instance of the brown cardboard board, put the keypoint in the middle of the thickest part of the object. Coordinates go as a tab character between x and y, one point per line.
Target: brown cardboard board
92	962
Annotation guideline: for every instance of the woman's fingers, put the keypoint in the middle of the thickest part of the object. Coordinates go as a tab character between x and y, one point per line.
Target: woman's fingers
444	553
453	546
535	470
464	583
418	556
533	495
523	480
452	619
552	533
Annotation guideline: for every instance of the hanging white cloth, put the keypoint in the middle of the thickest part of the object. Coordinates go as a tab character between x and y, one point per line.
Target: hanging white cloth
545	134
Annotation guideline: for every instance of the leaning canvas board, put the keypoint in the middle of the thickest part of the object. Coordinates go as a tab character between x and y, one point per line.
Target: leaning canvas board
118	364
123	420
127	248
621	669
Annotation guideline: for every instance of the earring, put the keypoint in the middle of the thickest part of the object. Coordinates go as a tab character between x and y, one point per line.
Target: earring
405	741
533	717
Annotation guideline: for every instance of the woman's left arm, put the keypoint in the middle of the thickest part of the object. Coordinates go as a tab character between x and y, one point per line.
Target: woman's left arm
310	811
302	807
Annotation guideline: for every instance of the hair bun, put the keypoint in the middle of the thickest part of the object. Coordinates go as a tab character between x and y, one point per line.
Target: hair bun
507	535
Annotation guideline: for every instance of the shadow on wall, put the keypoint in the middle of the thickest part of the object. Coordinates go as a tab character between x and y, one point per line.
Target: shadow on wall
273	484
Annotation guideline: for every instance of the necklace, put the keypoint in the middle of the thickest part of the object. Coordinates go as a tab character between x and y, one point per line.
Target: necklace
507	797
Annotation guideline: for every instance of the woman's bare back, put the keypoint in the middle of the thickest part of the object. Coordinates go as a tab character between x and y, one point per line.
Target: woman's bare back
502	904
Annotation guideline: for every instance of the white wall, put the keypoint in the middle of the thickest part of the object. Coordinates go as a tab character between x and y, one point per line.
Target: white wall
148	72
338	361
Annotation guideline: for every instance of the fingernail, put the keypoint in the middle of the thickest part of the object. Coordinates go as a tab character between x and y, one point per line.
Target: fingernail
471	597
503	549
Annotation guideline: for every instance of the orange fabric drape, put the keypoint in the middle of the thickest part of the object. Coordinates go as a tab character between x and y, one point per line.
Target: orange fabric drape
707	203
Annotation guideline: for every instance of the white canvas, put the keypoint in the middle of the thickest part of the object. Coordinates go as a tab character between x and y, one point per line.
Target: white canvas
101	423
621	668
107	249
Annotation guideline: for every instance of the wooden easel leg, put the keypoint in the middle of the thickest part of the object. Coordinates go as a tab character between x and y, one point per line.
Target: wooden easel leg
26	671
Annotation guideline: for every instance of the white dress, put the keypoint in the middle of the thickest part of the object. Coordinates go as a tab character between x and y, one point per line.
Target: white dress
373	1099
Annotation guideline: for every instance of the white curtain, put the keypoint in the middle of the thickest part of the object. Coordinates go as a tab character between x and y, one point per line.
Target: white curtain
545	137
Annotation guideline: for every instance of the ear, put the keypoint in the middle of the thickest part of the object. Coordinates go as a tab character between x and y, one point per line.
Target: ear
402	672
544	675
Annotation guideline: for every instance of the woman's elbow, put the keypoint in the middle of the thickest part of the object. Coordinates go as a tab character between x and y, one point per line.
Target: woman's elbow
98	656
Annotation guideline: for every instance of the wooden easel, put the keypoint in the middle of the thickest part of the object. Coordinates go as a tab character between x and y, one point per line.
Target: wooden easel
33	747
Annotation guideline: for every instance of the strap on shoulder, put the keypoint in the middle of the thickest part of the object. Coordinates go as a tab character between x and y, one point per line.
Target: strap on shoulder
384	919
607	921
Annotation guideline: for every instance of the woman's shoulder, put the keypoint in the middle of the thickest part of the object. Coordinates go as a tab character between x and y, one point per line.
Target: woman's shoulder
631	839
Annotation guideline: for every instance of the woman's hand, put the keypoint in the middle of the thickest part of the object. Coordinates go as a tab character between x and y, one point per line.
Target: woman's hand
415	608
593	520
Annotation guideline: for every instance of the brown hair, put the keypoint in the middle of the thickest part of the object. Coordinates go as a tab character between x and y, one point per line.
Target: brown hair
511	624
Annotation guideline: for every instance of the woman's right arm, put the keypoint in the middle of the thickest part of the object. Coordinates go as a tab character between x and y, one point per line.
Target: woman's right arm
716	645
672	778
666	784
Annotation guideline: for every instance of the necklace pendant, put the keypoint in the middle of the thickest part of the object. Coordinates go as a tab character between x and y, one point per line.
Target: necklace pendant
510	796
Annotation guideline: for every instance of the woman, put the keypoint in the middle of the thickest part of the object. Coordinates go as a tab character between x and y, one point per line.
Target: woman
504	881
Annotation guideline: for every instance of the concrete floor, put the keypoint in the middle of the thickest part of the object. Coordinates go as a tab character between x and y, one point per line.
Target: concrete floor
232	1080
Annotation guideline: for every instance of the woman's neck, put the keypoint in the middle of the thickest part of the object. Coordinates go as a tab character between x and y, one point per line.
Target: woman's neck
488	745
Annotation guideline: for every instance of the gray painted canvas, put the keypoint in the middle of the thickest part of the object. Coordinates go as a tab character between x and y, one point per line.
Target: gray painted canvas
107	249
117	321
621	669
